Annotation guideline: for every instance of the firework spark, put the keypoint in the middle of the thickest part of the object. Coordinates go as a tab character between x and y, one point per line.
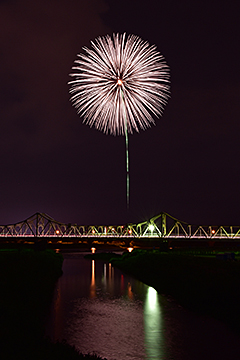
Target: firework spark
120	84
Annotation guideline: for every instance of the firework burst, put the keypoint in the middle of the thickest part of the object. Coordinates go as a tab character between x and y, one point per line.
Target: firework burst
121	84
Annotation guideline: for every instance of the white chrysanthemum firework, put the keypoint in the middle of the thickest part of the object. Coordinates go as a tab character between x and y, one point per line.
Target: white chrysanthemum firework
120	84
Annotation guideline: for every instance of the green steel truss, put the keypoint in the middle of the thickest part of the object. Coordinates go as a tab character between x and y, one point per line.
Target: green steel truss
163	226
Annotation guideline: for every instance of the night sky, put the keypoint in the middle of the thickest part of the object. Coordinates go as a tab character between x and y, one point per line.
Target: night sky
186	165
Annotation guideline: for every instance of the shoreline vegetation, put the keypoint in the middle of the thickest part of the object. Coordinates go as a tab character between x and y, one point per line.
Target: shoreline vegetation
199	281
27	281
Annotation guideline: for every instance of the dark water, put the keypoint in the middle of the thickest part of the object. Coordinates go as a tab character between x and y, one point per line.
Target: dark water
99	309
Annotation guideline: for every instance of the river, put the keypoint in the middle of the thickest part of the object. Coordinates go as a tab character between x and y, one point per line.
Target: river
99	309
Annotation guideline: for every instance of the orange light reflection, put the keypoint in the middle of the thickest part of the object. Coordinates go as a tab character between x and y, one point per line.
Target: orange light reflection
93	283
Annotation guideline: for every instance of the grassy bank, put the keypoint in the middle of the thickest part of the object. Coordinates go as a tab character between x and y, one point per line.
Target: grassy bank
201	283
27	280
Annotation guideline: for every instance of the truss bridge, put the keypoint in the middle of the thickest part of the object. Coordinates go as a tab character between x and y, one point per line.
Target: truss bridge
162	227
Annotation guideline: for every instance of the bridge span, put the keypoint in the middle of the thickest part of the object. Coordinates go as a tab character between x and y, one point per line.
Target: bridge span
163	226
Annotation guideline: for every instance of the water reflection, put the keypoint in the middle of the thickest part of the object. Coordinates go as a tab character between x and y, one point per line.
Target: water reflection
153	325
130	293
122	284
93	285
109	322
100	309
105	274
106	319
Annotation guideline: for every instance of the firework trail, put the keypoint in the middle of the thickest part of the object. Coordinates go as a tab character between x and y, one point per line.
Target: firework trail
119	85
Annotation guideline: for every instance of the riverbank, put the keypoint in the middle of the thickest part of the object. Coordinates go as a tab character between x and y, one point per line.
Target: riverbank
204	284
27	280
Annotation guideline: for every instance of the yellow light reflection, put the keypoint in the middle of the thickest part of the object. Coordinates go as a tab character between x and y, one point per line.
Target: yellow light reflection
110	271
111	279
130	293
93	283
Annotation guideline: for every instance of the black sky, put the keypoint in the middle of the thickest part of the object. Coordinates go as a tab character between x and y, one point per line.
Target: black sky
187	165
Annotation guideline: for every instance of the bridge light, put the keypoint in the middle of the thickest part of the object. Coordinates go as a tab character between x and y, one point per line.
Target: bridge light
130	249
151	227
93	250
213	231
57	232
